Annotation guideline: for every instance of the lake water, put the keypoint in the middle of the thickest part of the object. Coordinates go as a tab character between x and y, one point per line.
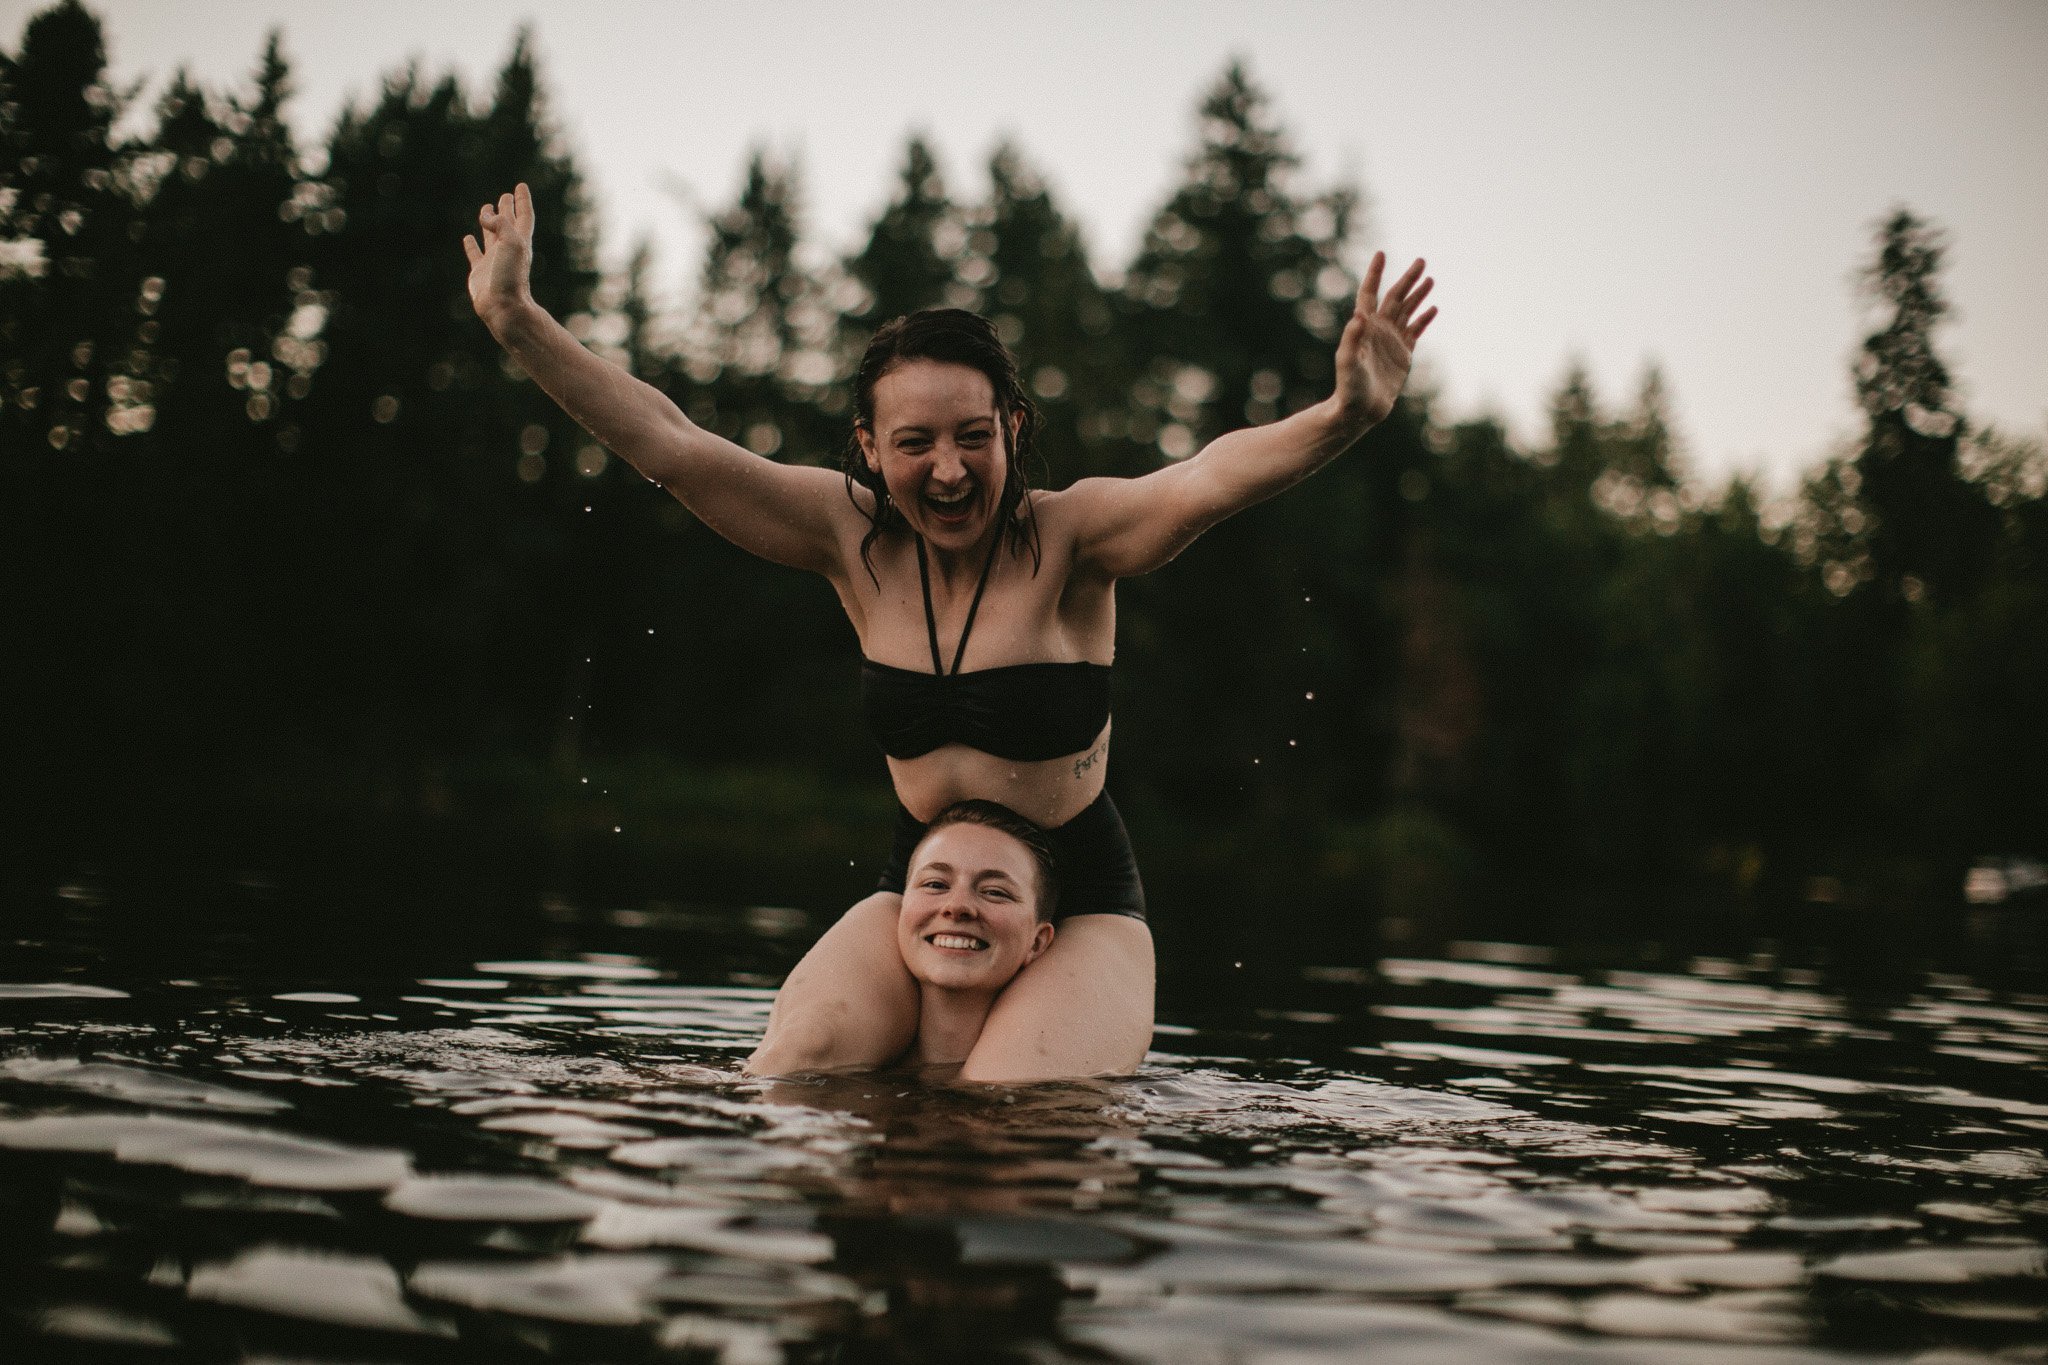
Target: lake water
238	1123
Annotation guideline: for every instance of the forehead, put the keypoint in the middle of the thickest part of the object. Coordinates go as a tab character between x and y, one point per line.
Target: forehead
932	393
975	849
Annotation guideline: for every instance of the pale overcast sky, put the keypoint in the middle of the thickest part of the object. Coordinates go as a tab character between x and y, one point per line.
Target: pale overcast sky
1625	182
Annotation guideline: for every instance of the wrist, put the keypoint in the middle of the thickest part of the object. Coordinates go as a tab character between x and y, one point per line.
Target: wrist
511	320
1344	421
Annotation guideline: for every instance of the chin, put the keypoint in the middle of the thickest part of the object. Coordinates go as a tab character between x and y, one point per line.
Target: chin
956	976
962	534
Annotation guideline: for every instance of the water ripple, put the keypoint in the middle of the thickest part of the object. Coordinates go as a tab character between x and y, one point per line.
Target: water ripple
1500	1155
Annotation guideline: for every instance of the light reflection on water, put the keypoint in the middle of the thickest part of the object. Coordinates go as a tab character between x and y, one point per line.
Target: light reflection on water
1484	1155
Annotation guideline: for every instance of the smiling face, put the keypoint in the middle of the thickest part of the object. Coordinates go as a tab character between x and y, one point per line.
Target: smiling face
937	441
970	910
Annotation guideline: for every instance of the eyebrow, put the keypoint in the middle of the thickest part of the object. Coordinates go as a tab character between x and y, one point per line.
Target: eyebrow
921	429
981	876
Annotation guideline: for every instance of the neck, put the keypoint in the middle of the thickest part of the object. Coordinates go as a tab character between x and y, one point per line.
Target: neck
948	1024
962	568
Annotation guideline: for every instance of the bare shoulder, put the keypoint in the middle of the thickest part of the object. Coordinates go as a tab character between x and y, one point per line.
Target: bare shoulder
1065	519
1118	527
1088	504
1083	496
1061	518
1070	512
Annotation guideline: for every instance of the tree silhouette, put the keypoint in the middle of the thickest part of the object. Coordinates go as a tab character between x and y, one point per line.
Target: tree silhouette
1234	304
66	216
1925	526
279	523
910	256
1032	268
68	323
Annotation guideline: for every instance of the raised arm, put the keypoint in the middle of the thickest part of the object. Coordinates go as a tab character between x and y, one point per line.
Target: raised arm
1132	526
788	513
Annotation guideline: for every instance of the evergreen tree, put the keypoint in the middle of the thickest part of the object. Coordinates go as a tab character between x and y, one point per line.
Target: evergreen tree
752	291
1577	449
1647	452
68	321
218	507
758	357
1240	277
454	487
912	254
762	333
1978	669
1236	300
1925	527
1032	269
66	307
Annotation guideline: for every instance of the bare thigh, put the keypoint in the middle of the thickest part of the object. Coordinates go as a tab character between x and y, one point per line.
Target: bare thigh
850	1003
1083	1009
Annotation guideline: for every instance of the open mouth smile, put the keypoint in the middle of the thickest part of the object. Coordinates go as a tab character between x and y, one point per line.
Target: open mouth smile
965	943
953	508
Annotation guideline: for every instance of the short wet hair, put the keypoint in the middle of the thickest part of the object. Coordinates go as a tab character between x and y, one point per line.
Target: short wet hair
997	816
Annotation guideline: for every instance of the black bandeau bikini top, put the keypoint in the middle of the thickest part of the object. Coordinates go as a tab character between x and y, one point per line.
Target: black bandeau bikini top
1023	712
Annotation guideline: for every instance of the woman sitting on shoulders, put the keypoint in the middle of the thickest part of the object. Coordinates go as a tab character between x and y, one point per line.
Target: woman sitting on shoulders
987	623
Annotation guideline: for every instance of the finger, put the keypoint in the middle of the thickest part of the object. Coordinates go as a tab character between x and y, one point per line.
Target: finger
472	250
1408	305
1350	340
522	204
1369	287
1421	326
1397	296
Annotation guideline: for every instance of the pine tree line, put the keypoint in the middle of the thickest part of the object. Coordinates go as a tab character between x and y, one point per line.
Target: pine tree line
274	504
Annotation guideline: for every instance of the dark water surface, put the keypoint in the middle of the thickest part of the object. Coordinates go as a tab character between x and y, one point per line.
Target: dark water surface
269	1129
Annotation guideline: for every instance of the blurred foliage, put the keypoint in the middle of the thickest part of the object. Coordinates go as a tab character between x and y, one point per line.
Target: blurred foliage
279	523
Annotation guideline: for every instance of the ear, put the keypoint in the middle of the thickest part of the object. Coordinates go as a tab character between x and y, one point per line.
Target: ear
1041	939
867	448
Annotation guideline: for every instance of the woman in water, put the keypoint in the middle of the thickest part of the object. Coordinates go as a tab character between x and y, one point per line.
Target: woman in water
931	536
978	902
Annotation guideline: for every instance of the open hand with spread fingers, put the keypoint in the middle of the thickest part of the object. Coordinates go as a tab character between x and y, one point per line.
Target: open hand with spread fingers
500	266
1379	341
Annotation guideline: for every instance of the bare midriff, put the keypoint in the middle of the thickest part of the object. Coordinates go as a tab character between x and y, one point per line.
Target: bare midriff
1050	792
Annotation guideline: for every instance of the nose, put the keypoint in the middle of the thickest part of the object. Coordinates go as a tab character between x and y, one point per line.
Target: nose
948	468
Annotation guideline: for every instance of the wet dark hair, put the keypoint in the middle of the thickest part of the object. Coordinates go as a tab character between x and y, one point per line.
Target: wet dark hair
998	816
951	336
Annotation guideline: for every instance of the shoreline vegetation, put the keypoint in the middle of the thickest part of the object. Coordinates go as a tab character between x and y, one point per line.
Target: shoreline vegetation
285	545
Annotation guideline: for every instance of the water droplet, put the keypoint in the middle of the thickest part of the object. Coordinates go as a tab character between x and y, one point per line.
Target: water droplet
615	829
1290	743
1309	695
1237	964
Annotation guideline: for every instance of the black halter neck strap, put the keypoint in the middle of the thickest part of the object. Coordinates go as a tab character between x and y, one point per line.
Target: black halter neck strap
931	622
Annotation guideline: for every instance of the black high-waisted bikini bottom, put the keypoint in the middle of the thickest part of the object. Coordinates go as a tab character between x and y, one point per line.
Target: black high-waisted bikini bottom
1098	872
